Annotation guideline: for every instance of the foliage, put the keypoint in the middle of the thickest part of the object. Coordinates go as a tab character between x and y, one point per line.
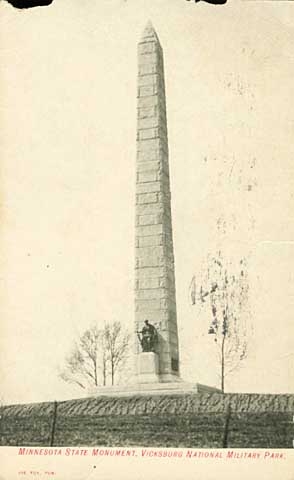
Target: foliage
224	290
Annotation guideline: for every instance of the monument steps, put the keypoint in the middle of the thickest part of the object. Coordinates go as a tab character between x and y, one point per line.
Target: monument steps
177	387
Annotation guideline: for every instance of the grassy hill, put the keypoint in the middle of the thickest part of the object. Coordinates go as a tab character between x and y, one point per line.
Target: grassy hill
188	420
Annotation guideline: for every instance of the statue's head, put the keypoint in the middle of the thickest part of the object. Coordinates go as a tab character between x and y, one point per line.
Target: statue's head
146	322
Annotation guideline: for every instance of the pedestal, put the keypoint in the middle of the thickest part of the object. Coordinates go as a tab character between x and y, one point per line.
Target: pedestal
152	388
147	367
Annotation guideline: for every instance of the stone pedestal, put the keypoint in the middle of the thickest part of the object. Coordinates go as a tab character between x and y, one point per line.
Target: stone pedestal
147	367
153	388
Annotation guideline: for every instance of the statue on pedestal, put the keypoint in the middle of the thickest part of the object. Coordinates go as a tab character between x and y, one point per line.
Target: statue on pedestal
148	337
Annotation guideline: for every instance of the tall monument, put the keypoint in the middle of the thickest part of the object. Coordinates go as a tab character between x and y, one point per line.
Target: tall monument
155	297
156	330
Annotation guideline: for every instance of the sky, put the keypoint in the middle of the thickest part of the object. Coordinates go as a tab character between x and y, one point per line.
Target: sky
68	129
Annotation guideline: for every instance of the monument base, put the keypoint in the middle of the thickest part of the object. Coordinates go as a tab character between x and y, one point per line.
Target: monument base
148	381
156	388
147	368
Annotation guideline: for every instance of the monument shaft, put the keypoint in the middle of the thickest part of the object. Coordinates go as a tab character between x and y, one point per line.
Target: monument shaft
155	297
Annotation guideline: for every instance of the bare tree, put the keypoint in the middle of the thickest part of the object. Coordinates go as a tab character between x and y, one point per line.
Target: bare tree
225	291
97	354
116	343
82	364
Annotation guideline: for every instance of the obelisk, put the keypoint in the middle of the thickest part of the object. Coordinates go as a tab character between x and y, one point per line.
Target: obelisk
155	296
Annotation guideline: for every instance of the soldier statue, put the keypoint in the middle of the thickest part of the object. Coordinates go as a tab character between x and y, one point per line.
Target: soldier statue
148	337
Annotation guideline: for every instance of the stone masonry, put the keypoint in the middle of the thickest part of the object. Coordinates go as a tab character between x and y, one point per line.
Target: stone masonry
155	297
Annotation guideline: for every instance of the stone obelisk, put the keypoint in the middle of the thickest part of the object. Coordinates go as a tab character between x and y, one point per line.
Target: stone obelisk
155	297
157	368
